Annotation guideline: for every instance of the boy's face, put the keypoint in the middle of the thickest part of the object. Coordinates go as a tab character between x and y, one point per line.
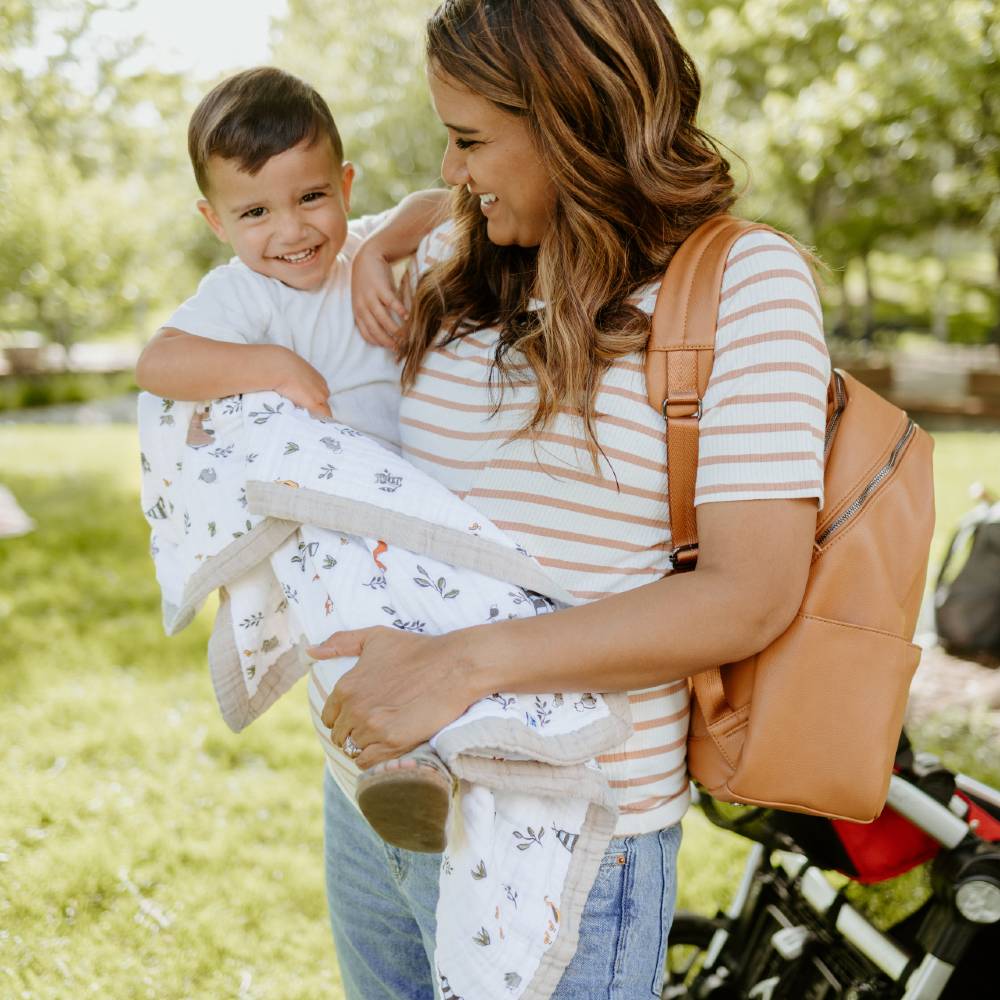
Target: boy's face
289	220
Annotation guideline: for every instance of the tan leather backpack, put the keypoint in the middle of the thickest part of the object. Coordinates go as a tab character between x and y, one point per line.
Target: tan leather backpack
811	722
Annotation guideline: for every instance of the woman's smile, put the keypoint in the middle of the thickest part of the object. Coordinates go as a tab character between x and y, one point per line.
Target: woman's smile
493	154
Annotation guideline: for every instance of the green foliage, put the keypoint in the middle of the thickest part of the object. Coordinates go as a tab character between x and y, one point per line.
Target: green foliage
23	391
857	122
367	60
860	129
97	231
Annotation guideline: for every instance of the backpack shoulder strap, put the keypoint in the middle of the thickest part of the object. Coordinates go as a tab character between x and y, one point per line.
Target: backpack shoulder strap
679	358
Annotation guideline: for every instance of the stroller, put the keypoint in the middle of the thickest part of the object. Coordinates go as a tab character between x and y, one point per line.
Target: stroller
789	935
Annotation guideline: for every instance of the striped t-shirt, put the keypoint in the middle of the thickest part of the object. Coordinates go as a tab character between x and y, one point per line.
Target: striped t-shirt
761	437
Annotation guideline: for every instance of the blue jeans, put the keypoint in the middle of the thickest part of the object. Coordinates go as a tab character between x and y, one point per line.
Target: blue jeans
382	902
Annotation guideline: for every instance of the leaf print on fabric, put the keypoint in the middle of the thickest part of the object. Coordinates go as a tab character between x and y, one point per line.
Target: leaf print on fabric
327	471
208	476
409	626
332	443
440	585
269	645
586	703
542	711
511	980
222	452
479	872
387	482
211	529
166	417
252	621
538	603
290	592
446	866
251	457
250	671
242	498
377	582
291	447
329	562
529	838
232	405
482	938
305	551
504	702
511	894
187	523
240	534
263	416
144	463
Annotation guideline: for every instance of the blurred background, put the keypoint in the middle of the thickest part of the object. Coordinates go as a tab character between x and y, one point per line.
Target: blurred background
144	850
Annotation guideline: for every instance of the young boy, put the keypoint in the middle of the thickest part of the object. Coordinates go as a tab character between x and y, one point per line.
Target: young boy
268	160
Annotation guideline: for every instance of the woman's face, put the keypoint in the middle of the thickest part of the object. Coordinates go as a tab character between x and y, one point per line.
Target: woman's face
493	155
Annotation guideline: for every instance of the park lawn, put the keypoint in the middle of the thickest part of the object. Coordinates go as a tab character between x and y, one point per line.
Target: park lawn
145	850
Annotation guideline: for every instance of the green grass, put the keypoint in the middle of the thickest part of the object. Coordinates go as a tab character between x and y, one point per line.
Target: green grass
146	851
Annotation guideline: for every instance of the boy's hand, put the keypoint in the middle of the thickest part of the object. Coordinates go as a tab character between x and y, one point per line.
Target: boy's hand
378	311
301	384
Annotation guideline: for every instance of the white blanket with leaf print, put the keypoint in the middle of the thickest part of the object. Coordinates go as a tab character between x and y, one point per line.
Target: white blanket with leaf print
306	527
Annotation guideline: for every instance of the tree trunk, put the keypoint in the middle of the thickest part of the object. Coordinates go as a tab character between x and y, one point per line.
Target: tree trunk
868	303
939	308
995	332
842	323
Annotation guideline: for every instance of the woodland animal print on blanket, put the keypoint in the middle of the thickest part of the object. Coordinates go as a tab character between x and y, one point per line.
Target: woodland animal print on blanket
306	527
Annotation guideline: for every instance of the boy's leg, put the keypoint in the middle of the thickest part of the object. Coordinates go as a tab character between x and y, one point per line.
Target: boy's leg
382	902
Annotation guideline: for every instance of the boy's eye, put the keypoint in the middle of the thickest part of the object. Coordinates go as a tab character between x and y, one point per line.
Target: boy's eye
254	213
314	196
465	143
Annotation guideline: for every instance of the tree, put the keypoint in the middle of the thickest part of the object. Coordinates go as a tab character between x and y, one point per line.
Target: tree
92	177
850	112
367	60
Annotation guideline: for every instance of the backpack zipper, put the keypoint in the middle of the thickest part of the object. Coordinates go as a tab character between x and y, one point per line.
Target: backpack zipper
840	401
865	495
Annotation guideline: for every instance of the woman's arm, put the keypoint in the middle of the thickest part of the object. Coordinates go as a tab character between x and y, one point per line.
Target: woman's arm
752	569
179	365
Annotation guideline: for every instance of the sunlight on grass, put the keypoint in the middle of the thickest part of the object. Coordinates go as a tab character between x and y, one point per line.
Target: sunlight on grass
146	851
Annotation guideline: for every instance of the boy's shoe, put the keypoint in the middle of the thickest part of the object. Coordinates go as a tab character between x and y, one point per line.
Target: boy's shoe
407	806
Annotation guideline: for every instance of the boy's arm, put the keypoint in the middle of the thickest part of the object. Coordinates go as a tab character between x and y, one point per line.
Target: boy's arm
179	365
377	306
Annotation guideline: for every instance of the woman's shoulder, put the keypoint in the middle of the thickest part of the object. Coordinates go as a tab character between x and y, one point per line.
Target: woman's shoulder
767	287
757	257
437	245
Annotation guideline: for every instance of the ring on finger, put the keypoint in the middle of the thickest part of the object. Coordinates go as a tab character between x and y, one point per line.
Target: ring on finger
351	748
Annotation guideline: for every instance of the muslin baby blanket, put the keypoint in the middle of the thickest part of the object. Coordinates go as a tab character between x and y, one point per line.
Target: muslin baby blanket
306	527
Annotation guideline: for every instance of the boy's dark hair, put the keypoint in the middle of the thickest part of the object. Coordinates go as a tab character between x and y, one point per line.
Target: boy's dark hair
255	115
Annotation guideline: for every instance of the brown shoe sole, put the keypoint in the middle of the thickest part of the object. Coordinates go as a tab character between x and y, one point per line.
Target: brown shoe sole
407	808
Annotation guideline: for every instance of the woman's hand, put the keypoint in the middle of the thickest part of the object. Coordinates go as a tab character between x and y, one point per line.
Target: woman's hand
403	689
378	310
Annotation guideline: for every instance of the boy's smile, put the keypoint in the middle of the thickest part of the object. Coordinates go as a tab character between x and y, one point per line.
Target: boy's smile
289	220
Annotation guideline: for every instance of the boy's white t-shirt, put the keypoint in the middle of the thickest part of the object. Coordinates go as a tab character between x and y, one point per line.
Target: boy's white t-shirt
237	305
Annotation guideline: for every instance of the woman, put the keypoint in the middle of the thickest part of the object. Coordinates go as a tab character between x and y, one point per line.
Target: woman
577	169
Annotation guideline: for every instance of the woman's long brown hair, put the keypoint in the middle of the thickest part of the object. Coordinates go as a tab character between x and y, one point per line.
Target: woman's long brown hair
610	97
